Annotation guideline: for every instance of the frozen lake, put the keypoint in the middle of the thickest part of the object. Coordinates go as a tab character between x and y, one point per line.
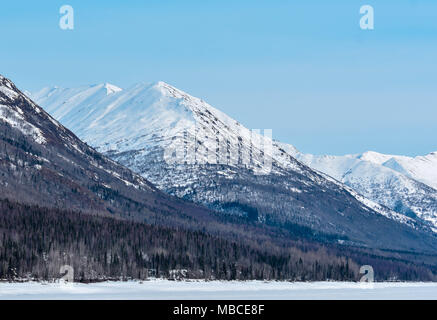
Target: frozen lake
251	290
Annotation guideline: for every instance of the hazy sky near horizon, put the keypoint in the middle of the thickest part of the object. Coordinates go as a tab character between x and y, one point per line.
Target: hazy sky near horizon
302	68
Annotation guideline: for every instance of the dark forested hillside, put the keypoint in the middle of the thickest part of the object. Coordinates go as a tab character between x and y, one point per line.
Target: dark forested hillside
36	242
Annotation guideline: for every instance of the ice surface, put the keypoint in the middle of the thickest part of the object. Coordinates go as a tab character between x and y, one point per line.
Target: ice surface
219	290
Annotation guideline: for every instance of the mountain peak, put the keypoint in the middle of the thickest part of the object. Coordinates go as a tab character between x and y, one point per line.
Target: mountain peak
8	88
169	90
173	92
374	157
162	84
3	79
110	88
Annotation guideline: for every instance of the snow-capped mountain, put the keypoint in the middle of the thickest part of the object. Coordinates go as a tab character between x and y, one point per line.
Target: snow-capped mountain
420	168
404	184
192	150
117	121
43	163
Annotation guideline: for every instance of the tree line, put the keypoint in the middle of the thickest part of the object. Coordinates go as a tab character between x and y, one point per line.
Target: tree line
36	242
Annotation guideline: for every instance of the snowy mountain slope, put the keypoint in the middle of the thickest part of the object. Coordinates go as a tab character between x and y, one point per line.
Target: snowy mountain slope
396	182
192	150
420	168
140	114
43	163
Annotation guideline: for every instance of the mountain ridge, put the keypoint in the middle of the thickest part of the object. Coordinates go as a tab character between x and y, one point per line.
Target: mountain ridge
43	163
136	126
387	179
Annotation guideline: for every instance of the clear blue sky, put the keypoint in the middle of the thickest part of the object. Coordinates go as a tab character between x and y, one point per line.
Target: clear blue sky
302	68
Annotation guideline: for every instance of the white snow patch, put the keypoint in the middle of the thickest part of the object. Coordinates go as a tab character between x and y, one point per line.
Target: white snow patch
219	290
16	120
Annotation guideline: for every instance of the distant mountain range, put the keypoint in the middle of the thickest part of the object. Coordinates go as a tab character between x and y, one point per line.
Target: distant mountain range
404	184
193	151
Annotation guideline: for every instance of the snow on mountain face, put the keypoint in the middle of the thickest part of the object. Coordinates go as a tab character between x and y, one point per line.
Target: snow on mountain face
223	165
14	116
421	168
43	163
150	116
404	184
132	119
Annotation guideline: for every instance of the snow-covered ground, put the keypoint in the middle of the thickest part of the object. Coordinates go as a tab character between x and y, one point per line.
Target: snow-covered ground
185	290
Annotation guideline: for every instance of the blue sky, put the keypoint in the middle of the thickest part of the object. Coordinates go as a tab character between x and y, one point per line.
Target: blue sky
302	68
